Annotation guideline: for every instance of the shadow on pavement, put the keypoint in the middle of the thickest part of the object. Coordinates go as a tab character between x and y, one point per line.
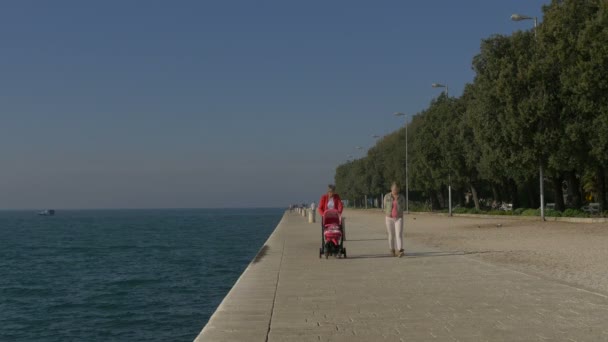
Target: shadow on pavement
369	256
365	240
418	254
450	253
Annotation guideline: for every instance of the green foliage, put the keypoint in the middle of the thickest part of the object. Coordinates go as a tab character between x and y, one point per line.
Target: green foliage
552	213
538	98
419	207
574	213
460	210
531	212
469	211
500	212
519	211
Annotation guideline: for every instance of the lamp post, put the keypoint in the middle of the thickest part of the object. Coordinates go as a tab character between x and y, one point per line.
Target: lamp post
439	85
365	196
407	189
520	17
375	136
361	149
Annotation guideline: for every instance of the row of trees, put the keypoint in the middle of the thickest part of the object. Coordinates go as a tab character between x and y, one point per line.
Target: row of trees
539	98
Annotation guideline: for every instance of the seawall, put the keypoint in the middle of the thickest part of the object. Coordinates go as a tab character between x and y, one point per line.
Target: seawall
246	311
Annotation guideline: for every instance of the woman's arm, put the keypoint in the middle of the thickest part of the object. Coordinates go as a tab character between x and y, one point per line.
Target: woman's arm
388	202
339	205
402	202
322	205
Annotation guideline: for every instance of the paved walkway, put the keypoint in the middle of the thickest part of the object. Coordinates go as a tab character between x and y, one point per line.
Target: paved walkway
289	294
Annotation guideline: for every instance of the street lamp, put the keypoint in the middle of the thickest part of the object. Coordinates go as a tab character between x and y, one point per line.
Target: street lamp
360	149
375	136
439	85
407	190
520	17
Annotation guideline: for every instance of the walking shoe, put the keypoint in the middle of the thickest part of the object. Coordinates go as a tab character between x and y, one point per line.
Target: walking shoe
401	253
393	252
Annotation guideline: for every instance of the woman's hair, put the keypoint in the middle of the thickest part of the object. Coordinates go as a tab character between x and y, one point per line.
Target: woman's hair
394	184
331	187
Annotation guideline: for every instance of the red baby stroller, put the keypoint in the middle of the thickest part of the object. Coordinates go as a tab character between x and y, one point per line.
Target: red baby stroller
332	235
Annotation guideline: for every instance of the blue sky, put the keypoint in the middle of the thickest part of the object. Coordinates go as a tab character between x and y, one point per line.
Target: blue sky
159	104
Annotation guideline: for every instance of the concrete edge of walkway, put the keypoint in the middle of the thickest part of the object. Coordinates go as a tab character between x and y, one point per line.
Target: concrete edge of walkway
245	312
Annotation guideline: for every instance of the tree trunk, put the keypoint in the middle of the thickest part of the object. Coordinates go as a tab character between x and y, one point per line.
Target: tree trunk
475	198
514	193
495	195
461	197
505	191
441	198
559	193
532	195
434	201
601	187
574	190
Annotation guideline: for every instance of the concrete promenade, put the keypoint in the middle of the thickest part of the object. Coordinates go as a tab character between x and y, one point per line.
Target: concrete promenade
288	294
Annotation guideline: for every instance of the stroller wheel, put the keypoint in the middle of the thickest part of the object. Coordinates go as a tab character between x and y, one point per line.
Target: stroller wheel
320	252
344	252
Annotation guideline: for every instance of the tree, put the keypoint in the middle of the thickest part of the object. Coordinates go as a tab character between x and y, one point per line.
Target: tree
538	99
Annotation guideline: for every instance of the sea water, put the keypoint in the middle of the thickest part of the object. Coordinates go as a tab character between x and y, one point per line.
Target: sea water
122	275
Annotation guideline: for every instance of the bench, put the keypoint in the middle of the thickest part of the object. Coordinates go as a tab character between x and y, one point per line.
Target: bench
591	208
506	207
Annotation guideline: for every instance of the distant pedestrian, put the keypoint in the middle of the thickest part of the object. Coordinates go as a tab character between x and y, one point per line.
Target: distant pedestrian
394	203
312	206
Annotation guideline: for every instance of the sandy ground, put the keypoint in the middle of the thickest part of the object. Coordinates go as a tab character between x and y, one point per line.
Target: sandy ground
574	253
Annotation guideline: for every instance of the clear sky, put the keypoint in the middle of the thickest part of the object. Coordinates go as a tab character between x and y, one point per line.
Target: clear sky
217	103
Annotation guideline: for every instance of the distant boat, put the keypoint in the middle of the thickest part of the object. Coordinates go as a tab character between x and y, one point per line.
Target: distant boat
48	212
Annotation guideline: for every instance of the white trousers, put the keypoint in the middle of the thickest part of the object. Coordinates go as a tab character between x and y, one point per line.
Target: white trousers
395	233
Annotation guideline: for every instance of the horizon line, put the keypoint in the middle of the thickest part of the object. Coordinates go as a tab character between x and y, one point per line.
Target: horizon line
143	208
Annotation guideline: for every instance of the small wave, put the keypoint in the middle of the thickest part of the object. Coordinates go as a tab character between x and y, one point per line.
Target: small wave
124	275
135	281
18	291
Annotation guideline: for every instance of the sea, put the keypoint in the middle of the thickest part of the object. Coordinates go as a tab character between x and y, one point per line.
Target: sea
122	275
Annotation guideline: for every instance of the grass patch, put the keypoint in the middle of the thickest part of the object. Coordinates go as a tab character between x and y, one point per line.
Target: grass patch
460	210
530	212
519	211
500	212
574	213
552	213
